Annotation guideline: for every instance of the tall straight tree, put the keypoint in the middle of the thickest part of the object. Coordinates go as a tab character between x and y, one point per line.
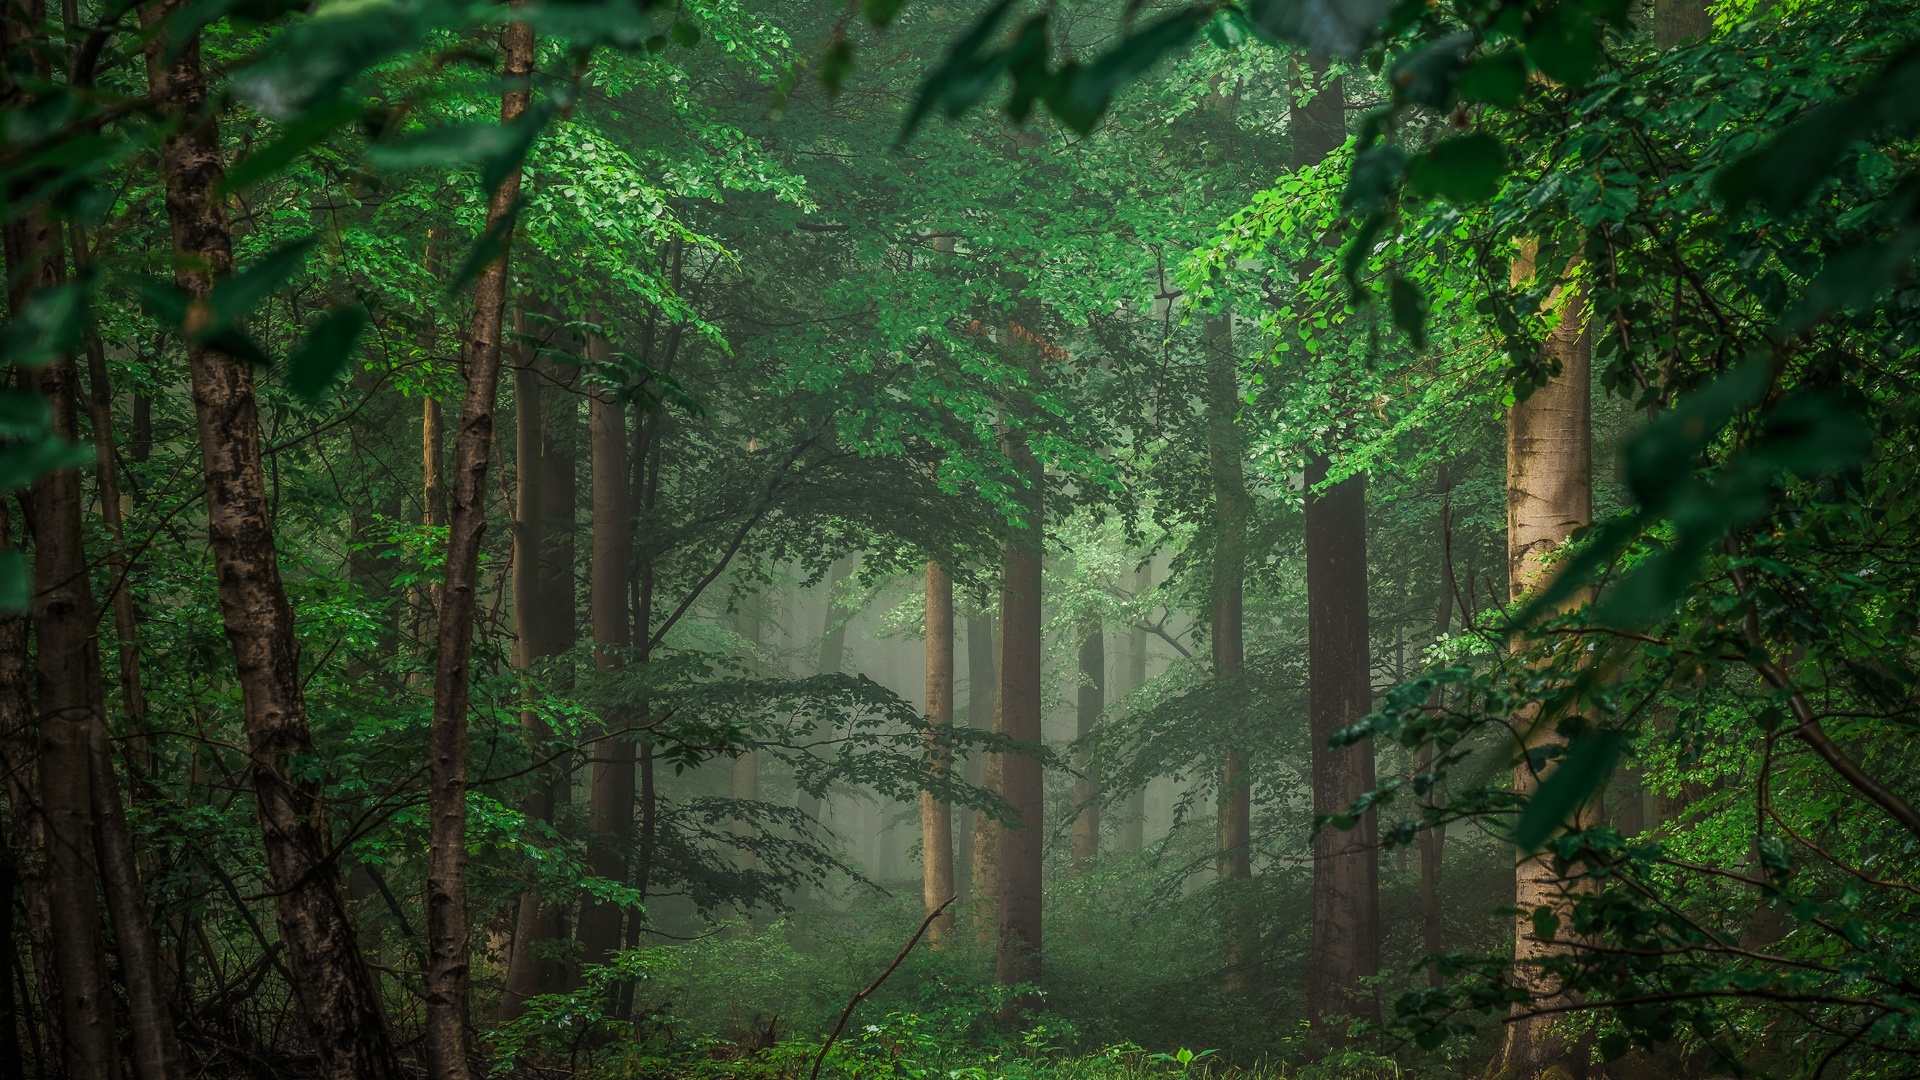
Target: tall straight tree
448	949
936	815
1234	817
1345	939
1549	495
1090	702
610	806
66	677
1133	821
1008	858
536	624
1433	841
330	980
983	687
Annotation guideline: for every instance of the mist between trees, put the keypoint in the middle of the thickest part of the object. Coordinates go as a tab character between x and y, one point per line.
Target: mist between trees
900	540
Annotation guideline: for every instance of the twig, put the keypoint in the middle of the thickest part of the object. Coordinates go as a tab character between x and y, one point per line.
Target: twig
875	985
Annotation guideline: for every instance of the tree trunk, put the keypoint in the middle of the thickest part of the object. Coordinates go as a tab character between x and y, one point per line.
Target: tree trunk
982	684
534	918
1433	841
448	949
156	1055
27	824
1345	943
1679	22
65	669
611	800
1235	814
1549	495
1346	873
133	698
335	993
1009	859
744	775
1092	700
936	816
1133	823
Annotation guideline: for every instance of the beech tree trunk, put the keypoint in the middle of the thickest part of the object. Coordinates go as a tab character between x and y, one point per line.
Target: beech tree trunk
27	824
1549	495
1008	859
936	816
982	690
1345	945
1133	823
1091	701
449	951
744	778
1234	861
611	798
535	920
66	677
1433	841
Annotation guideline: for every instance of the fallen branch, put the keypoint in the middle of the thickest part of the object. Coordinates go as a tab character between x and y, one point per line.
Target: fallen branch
875	985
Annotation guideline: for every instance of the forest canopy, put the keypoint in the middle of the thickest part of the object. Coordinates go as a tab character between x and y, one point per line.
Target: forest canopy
897	539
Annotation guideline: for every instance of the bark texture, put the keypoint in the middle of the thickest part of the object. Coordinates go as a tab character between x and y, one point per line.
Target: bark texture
1008	858
449	951
1549	495
334	990
1345	946
983	684
936	815
1234	815
27	823
536	920
610	810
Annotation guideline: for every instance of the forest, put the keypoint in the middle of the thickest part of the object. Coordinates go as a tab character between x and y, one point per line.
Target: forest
960	539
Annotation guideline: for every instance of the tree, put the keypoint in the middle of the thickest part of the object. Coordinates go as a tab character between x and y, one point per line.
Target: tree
936	815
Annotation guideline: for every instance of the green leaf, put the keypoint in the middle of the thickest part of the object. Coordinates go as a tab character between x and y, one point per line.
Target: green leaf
24	462
16	581
1375	172
326	353
491	247
1427	75
835	65
239	293
1814	433
23	414
1564	43
52	323
684	34
1410	307
880	12
1545	923
304	131
1582	770
1080	96
1464	169
1337	27
498	149
963	77
1496	79
1658	461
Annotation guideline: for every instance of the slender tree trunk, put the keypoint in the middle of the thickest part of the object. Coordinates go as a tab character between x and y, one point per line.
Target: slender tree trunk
1133	823
335	993
133	698
1235	814
1009	859
156	1055
13	1058
65	675
1345	944
27	824
1433	841
533	915
744	776
1549	495
936	816
1091	701
982	685
449	954
611	801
